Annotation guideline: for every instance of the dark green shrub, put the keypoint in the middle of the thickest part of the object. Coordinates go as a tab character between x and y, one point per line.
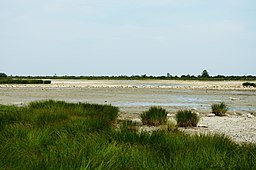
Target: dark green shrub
154	116
186	118
219	109
47	82
248	84
3	75
22	81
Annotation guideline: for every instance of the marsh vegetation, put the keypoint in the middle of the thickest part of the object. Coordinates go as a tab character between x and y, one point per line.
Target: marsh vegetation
187	118
219	109
154	116
59	135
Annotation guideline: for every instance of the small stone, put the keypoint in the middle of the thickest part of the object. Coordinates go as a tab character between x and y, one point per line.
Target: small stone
211	115
203	126
249	115
172	120
197	113
233	98
169	115
137	121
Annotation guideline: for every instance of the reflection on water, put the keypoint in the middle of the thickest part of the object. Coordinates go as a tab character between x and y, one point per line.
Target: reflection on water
160	85
182	105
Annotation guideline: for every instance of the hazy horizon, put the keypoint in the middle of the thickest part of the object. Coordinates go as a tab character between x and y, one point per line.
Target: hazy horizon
110	37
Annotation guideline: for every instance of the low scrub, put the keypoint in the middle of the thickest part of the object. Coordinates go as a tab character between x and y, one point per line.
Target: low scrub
219	109
23	81
248	84
154	116
186	118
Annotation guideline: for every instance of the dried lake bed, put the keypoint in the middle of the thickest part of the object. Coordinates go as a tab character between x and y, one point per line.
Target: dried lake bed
133	97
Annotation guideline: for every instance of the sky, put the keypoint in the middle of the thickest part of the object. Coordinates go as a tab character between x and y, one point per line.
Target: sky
128	37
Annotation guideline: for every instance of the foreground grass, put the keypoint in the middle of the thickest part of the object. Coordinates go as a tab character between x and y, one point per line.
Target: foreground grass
59	135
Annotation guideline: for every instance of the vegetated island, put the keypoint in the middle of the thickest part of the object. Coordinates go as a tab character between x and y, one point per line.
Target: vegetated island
4	79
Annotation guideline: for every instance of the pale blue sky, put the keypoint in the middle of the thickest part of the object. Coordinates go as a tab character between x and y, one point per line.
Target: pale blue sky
113	37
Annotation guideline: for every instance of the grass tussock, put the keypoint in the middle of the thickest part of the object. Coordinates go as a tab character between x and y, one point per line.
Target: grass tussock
60	135
186	118
154	116
219	109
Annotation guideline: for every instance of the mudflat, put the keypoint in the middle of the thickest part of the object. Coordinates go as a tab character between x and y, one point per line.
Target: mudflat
133	97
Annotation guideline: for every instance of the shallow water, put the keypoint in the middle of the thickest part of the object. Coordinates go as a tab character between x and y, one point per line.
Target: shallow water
132	99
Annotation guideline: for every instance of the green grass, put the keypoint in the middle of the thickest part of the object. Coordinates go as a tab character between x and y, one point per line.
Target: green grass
186	118
59	135
219	109
154	116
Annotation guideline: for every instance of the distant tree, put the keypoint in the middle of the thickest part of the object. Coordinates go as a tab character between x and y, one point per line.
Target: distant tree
3	75
205	73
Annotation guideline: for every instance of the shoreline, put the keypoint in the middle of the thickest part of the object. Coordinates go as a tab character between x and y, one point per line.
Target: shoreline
151	84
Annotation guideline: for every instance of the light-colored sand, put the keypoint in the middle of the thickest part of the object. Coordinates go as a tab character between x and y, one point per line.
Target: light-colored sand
133	97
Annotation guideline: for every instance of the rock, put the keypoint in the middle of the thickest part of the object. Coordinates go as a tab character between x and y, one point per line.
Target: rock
19	104
172	121
203	126
169	115
197	113
211	115
194	109
137	122
233	98
249	115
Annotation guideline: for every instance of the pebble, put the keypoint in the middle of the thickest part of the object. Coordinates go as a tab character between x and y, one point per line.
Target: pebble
137	121
249	115
211	115
203	126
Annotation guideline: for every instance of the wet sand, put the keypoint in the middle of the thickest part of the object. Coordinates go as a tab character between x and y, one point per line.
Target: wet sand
133	97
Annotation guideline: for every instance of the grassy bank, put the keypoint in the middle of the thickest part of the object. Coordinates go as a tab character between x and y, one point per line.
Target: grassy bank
60	135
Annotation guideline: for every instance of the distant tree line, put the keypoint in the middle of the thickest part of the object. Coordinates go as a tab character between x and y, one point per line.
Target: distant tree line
203	77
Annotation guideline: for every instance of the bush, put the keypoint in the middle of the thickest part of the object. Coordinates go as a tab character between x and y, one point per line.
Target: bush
248	84
3	75
154	116
219	109
186	118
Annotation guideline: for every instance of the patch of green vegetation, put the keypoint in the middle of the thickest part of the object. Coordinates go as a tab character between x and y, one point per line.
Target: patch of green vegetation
23	81
186	118
154	116
248	84
59	135
219	109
